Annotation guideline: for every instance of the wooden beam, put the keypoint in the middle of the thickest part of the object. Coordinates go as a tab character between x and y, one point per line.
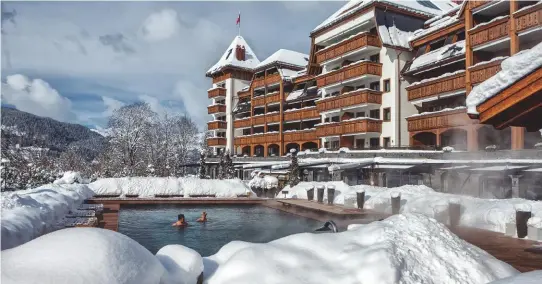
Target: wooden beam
440	33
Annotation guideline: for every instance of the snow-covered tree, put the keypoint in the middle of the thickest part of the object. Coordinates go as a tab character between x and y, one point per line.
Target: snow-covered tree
229	170
202	165
294	169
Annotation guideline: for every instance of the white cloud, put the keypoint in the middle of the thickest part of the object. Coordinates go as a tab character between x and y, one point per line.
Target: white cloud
37	97
111	105
156	106
160	25
195	101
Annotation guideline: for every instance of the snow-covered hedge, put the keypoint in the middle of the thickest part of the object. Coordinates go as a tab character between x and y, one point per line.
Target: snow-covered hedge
27	214
71	178
149	186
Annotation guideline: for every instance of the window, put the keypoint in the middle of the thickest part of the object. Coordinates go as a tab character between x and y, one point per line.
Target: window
387	114
374	143
387	85
436	44
375	86
360	87
375	113
386	142
449	39
375	58
421	50
360	143
360	114
335	119
335	144
461	36
229	53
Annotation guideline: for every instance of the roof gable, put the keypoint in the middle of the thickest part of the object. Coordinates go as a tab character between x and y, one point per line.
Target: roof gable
228	59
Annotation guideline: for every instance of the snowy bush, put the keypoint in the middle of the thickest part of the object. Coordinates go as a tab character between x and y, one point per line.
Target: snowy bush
448	149
71	178
263	185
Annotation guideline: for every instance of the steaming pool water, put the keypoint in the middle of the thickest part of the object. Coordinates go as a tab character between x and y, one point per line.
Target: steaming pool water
151	225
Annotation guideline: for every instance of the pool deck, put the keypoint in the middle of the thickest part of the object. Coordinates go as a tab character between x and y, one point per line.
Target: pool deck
507	249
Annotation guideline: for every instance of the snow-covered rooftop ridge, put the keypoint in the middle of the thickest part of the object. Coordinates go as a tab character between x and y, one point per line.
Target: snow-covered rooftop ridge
512	69
488	61
437	25
439	111
429	8
432	57
436	78
289	57
229	58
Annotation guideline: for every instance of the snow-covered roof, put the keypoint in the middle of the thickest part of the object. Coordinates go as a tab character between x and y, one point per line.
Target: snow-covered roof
432	57
512	69
285	56
229	59
429	8
435	26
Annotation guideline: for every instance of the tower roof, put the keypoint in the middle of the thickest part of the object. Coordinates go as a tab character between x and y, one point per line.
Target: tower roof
229	59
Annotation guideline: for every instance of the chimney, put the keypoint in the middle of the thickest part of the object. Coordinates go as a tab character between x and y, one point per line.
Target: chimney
240	53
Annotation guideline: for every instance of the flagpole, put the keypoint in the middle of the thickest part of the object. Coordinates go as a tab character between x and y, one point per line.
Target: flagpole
239	23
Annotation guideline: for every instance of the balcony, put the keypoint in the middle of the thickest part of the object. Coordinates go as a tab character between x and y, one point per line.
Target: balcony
272	79
443	119
242	123
349	127
433	87
490	32
243	140
529	18
258	120
271	118
348	99
216	93
215	125
349	72
265	138
243	94
484	71
347	46
301	114
216	109
216	141
258	101
476	4
301	135
273	98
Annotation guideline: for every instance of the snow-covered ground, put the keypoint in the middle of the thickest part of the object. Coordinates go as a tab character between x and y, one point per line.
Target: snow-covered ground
408	248
488	214
149	186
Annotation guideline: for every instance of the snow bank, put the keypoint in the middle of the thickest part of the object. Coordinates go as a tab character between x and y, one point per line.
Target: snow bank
342	191
532	277
265	182
81	255
184	265
71	178
27	214
406	249
149	186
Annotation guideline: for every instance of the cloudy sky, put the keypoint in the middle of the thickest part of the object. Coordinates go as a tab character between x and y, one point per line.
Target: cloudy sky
78	61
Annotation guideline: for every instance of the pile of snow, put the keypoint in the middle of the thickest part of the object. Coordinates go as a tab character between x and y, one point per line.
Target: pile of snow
27	214
285	56
81	255
71	178
263	182
149	186
488	214
512	69
183	265
432	57
407	248
532	277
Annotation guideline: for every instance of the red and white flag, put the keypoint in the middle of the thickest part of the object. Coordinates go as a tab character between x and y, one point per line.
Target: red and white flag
238	19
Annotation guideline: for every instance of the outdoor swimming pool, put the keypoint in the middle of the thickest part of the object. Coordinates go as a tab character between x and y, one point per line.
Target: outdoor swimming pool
151	225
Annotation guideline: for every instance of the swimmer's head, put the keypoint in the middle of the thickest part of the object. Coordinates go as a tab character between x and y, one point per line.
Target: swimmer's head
180	217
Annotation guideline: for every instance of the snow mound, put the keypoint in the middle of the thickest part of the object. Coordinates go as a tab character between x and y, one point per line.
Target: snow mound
342	191
532	277
81	255
265	182
71	178
149	186
184	265
27	214
406	249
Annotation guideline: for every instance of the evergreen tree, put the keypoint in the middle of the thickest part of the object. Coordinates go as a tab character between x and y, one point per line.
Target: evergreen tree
228	164
221	168
294	169
202	173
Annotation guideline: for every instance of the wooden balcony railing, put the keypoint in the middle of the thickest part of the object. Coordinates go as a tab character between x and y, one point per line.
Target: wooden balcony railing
216	109
439	120
350	99
256	83
435	87
480	73
349	127
476	4
275	98
490	32
301	135
242	140
216	125
216	92
216	141
271	79
357	42
271	118
258	120
301	114
265	138
258	101
243	94
242	123
529	18
350	72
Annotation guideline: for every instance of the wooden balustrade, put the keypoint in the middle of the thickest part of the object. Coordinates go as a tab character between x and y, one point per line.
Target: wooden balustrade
349	72
529	18
435	87
242	123
356	42
350	99
301	114
243	94
476	4
480	73
242	140
216	141
301	135
216	109
490	32
349	127
270	118
258	120
256	83
216	92
439	120
216	125
272	98
271	79
258	101
265	138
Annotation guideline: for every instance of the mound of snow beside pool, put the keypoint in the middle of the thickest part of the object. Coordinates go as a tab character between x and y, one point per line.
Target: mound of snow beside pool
149	186
81	255
27	214
407	248
184	265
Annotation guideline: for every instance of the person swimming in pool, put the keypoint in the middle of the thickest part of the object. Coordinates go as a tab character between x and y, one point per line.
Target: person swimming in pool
181	222
203	217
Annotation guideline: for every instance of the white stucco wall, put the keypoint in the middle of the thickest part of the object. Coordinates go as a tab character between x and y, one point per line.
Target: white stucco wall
232	87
